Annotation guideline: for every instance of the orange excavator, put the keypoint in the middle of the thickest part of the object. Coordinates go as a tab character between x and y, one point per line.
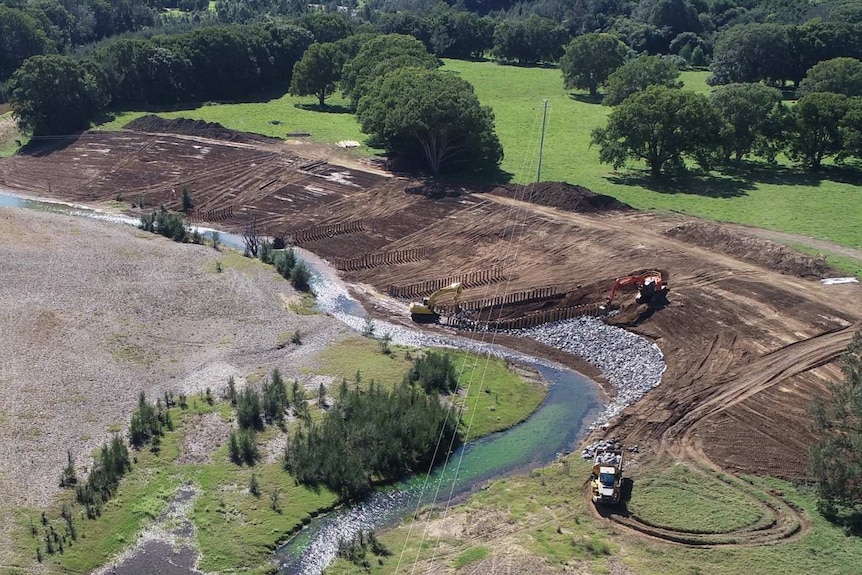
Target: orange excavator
652	288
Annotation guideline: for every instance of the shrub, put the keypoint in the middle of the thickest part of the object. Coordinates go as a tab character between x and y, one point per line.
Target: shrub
265	251
248	409
285	262
242	446
300	277
434	372
68	477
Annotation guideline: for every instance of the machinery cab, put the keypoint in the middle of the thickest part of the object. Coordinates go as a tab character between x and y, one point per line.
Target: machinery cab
605	486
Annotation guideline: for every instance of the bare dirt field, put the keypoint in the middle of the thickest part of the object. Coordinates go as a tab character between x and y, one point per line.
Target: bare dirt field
750	335
93	313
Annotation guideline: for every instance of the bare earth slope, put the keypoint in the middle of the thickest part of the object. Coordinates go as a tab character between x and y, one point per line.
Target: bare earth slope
750	335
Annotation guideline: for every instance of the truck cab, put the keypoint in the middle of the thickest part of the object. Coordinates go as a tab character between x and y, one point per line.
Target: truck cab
607	477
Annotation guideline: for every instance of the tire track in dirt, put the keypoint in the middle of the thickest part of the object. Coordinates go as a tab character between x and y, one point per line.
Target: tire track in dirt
784	520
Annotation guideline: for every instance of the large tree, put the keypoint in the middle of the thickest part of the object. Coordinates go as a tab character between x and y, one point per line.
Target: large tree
431	115
318	72
838	75
816	128
751	53
851	129
379	56
637	75
590	59
20	38
660	125
57	95
755	119
677	15
836	460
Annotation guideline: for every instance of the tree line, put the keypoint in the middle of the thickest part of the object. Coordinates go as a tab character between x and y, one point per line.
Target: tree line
59	94
653	120
663	126
836	459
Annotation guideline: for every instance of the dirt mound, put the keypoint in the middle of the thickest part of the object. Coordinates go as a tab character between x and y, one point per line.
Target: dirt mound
187	127
434	191
759	251
564	196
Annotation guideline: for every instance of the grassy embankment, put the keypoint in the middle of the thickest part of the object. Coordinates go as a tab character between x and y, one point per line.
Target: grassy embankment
498	396
827	205
541	518
236	530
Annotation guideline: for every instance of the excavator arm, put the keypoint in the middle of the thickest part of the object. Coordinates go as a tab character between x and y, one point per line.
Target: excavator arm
424	312
648	283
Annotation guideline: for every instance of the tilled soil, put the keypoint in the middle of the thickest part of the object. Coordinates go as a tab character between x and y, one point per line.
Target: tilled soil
733	297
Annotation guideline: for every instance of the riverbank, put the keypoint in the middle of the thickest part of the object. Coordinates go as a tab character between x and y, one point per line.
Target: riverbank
130	302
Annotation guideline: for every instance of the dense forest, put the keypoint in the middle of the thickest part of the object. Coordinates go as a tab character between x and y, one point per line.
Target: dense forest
117	54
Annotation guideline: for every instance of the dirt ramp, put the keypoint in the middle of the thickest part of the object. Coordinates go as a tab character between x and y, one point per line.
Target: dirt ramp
759	251
564	196
188	127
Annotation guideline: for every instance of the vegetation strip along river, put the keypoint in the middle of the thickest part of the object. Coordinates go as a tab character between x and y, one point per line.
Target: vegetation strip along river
553	429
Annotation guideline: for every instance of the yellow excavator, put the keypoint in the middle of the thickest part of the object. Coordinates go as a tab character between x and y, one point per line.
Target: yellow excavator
423	312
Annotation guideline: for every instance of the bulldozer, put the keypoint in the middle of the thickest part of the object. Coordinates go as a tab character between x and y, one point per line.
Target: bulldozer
423	312
652	289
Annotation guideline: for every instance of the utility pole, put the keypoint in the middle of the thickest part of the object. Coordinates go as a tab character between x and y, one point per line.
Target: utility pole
542	141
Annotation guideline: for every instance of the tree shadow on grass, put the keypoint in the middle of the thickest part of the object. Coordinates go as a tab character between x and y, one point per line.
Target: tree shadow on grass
738	179
706	185
586	98
326	108
796	176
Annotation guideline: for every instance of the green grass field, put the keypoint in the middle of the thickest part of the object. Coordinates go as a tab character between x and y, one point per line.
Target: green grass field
497	396
235	530
826	206
544	514
292	114
680	499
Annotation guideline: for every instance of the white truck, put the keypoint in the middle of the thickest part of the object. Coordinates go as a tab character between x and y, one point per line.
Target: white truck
607	476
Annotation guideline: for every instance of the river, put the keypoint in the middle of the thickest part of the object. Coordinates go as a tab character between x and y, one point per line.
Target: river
553	429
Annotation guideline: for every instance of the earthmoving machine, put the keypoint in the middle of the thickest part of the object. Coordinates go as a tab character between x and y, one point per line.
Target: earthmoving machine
606	483
423	312
652	287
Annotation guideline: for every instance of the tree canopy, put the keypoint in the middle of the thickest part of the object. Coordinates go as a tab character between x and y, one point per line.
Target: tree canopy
529	41
590	59
751	53
836	460
318	72
755	119
371	434
816	128
838	75
379	56
659	125
637	75
57	95
431	115
20	38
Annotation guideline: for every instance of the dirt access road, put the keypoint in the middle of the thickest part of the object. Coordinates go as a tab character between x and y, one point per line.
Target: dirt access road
750	335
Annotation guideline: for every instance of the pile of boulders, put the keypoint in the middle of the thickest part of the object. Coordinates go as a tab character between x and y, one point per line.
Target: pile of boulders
631	364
